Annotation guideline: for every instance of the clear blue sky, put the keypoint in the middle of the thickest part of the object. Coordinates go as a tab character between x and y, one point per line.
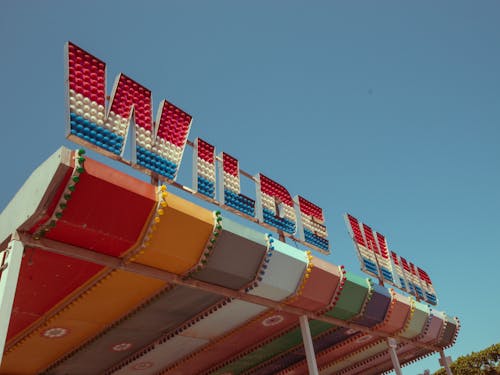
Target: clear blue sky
389	110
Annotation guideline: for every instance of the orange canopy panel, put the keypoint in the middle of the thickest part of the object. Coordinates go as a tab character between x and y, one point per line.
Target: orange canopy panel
180	235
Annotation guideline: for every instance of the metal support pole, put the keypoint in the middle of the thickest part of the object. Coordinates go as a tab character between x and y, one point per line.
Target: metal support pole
155	180
12	257
444	361
308	345
394	357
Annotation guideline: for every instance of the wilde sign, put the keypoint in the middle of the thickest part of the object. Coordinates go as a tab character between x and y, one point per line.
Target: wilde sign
158	147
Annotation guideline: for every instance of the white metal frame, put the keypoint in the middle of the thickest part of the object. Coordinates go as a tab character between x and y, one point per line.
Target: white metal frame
12	257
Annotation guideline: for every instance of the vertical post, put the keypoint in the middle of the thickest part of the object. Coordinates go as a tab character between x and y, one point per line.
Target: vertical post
394	357
308	345
445	362
154	180
12	258
379	273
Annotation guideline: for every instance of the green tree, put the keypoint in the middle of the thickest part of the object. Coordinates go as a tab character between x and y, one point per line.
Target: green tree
485	362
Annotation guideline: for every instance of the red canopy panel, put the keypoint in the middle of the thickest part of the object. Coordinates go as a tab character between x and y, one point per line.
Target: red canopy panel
110	222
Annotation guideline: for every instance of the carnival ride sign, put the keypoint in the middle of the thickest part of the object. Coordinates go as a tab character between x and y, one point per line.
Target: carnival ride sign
158	147
87	252
377	260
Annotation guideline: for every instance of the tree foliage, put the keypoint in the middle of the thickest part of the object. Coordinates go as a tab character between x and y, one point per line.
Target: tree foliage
485	362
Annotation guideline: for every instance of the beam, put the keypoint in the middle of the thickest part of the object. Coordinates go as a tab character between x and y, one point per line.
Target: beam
308	345
156	273
445	362
394	356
